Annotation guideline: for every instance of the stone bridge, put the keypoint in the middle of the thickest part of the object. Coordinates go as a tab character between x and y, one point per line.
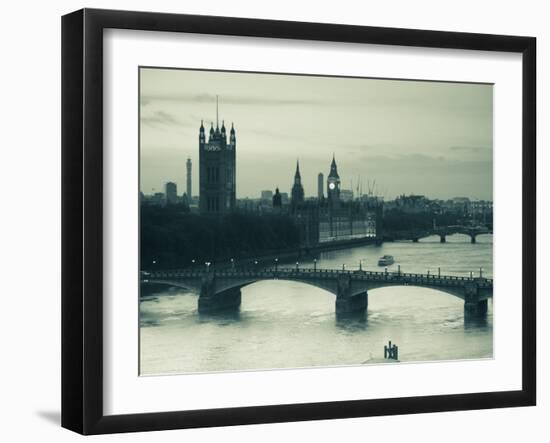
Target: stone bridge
443	232
221	289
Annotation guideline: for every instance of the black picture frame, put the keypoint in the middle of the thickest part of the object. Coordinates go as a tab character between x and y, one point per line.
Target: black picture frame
82	218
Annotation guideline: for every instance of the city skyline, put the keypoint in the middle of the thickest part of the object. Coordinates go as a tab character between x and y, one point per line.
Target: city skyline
282	118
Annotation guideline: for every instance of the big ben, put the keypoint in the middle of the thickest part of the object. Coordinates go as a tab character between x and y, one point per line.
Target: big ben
333	185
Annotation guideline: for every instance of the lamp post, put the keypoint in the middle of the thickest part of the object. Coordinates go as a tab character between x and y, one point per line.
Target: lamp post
438	272
343	267
471	275
297	264
314	265
480	272
276	263
233	264
192	263
207	266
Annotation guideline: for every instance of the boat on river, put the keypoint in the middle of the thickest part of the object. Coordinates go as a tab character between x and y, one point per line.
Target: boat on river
386	260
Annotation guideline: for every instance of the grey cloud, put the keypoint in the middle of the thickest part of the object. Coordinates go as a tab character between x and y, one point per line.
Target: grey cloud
159	118
471	148
227	99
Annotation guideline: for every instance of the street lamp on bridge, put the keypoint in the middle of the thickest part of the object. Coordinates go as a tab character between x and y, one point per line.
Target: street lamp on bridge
208	266
276	263
314	264
233	264
297	264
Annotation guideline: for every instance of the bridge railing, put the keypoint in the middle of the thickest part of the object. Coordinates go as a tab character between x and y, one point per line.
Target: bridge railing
306	273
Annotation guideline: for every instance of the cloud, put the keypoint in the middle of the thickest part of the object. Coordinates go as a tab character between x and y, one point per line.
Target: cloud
147	99
159	118
476	149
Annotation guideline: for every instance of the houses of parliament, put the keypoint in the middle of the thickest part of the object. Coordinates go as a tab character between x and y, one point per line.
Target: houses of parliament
217	169
319	219
217	173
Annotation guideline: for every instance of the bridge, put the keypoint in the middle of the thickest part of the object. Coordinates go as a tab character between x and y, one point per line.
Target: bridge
221	289
444	231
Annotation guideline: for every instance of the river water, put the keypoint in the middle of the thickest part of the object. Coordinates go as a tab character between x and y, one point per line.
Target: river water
284	324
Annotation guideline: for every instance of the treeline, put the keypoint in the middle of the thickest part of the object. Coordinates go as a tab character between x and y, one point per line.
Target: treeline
172	237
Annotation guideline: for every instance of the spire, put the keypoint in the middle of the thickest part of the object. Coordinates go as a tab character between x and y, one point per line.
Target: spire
297	174
333	168
202	126
217	112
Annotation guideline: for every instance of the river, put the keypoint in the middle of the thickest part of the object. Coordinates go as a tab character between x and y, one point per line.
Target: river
284	324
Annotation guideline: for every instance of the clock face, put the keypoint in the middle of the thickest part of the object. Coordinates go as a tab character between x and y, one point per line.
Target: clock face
331	186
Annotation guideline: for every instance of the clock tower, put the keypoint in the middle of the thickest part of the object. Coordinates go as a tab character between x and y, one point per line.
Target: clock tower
333	185
297	192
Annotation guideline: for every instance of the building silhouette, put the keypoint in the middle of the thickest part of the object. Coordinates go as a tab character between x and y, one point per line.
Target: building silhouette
284	198
189	178
333	185
266	195
217	169
171	193
346	195
337	217
297	192
277	200
320	185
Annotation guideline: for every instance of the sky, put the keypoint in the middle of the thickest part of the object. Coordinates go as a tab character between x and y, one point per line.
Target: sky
407	137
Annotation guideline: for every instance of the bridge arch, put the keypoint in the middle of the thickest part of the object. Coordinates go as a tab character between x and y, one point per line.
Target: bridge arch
484	234
443	233
223	285
326	286
443	236
455	292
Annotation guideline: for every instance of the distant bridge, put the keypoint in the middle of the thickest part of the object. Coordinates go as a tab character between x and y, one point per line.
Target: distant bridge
444	231
221	289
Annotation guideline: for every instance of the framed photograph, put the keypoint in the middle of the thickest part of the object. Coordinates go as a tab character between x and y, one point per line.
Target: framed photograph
269	221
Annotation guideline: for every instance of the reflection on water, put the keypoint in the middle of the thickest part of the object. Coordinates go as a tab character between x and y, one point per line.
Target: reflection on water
284	324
